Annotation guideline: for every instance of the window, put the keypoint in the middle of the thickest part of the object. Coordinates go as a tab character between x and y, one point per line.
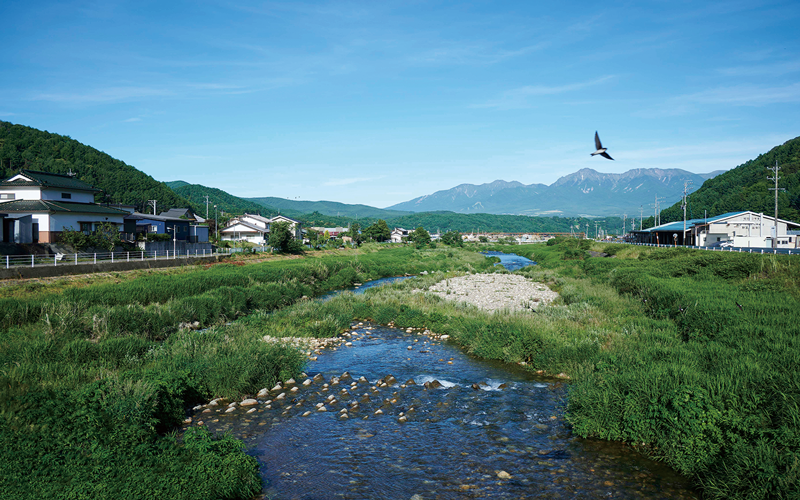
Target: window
153	229
7	196
66	196
86	227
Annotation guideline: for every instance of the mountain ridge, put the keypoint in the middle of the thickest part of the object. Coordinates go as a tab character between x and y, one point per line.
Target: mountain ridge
586	192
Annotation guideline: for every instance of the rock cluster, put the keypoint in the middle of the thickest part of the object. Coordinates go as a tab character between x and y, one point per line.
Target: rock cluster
494	292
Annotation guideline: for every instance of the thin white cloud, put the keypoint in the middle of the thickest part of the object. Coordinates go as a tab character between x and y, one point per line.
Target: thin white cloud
134	119
771	69
351	180
737	95
520	97
110	94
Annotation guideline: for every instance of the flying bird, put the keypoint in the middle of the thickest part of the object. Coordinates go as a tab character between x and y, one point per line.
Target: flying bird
600	149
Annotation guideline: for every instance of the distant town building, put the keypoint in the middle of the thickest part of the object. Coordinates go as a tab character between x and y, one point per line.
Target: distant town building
735	229
255	228
36	207
399	234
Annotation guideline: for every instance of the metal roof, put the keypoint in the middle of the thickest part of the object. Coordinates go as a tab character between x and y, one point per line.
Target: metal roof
48	180
47	206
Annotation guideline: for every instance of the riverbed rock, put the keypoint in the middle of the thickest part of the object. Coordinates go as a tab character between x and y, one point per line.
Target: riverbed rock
262	393
318	377
501	474
249	402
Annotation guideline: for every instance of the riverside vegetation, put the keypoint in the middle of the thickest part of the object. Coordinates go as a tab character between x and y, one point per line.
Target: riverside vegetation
689	356
94	379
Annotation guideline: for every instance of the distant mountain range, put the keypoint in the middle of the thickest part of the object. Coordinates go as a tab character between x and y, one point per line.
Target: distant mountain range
333	208
585	193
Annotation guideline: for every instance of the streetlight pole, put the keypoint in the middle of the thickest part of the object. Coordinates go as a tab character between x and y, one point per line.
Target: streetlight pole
216	223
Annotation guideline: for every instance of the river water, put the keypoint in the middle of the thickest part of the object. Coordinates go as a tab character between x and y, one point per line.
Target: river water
477	429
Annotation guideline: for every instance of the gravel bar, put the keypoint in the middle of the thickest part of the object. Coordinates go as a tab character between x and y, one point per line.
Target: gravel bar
494	292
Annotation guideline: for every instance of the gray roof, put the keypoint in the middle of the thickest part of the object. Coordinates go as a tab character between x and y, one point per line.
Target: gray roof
49	180
47	206
178	213
163	218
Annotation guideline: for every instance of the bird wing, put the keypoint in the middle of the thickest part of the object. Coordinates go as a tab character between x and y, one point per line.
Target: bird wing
606	155
597	143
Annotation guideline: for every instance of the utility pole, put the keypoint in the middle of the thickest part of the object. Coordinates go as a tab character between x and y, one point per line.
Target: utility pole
641	216
152	202
206	206
624	223
216	223
683	206
775	178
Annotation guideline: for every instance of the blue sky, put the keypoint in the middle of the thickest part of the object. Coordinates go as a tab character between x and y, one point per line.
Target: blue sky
380	102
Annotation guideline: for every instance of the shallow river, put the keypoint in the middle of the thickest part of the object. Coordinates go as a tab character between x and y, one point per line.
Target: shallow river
479	429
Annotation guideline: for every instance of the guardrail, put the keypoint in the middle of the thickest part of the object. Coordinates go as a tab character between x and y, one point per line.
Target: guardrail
10	261
784	251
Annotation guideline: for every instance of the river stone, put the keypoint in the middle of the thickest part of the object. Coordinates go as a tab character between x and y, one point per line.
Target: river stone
306	413
277	387
402	419
501	474
249	402
318	377
251	410
233	405
362	379
262	393
410	382
433	384
231	409
390	380
290	381
281	395
322	408
213	403
207	410
307	382
345	376
294	389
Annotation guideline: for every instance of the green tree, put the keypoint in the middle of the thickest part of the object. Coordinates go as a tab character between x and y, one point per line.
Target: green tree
453	238
379	231
106	236
355	233
281	238
420	237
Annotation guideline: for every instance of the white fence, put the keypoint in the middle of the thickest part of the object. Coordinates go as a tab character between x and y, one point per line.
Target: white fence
9	261
784	251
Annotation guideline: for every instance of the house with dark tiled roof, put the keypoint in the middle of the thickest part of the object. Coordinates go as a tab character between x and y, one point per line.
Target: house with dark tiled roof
39	206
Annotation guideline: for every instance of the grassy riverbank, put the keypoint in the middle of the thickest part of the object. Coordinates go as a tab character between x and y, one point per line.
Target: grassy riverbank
94	378
689	356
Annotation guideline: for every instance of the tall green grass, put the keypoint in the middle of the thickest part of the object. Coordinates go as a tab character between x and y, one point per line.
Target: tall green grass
94	379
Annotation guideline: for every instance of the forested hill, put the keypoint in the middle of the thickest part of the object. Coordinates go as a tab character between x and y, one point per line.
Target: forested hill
26	147
746	188
225	202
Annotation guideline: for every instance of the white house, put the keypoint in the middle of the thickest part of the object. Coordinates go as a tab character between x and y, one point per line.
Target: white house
39	206
736	229
398	234
255	228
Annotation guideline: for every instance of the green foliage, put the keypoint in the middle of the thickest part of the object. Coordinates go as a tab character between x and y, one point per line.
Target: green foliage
379	231
420	237
26	147
453	238
746	187
94	378
282	239
196	194
76	239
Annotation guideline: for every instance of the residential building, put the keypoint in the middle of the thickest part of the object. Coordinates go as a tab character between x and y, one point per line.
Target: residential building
178	229
39	206
399	234
255	228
